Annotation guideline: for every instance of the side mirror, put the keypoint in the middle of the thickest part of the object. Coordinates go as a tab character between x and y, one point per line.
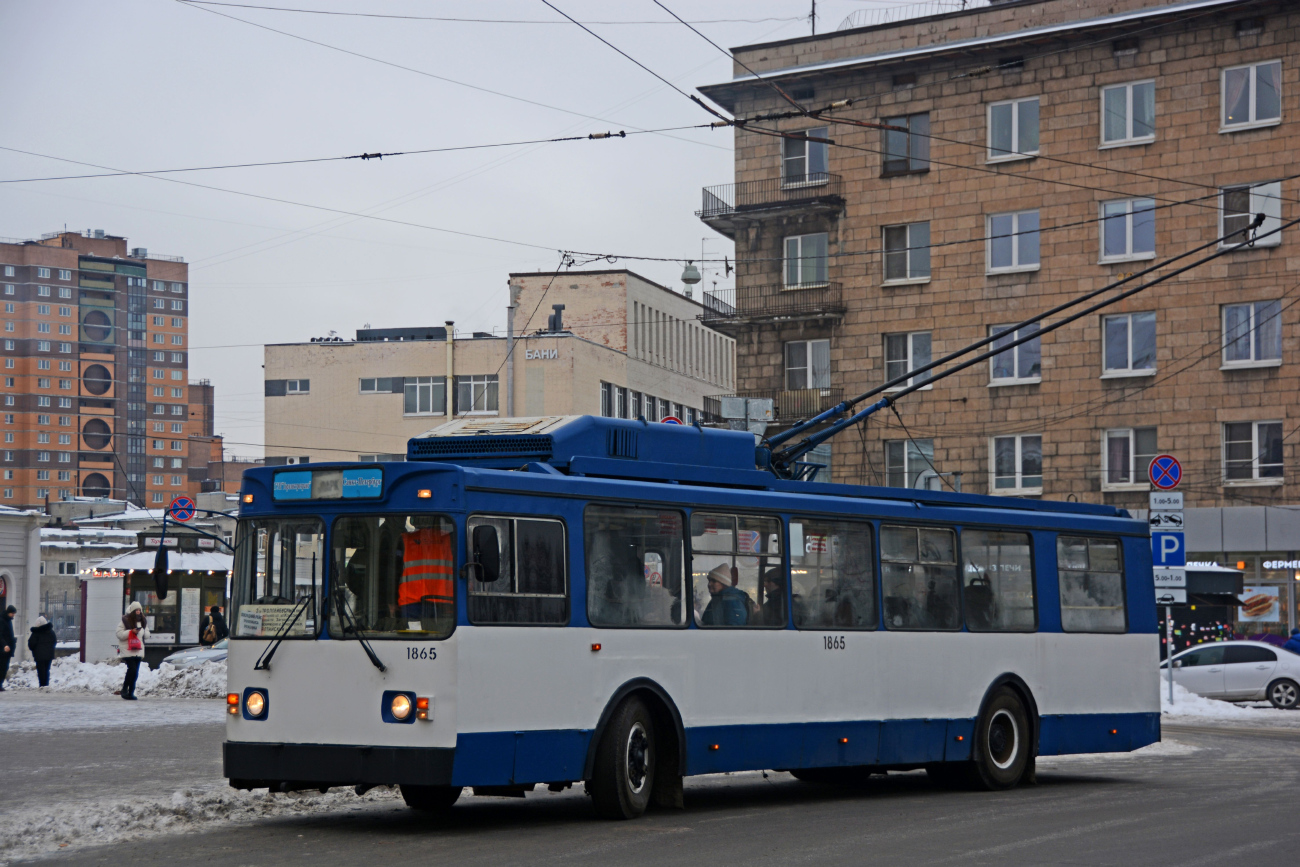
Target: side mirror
486	553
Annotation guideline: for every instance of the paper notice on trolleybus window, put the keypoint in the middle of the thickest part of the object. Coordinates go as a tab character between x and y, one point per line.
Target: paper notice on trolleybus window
259	620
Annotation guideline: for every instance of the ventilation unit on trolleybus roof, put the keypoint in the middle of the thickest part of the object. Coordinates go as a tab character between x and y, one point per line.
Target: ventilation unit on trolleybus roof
561	440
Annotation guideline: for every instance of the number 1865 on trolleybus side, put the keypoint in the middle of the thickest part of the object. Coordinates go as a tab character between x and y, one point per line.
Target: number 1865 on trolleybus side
573	600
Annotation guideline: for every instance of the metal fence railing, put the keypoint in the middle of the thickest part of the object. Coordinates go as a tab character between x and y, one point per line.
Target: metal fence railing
729	198
772	300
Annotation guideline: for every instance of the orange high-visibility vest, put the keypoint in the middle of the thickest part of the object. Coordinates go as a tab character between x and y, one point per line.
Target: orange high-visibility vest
426	566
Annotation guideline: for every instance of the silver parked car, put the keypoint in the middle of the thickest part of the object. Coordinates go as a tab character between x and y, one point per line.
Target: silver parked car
192	656
1240	671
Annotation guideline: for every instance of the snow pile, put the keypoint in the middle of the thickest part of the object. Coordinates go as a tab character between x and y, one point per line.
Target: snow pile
51	829
1190	705
68	674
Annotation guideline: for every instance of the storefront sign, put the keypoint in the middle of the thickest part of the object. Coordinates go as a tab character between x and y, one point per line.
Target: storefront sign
1282	564
155	541
1262	605
207	543
541	354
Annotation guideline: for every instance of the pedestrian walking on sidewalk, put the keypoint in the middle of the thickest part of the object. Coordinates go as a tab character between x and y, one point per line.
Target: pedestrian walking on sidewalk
8	643
131	634
212	628
41	644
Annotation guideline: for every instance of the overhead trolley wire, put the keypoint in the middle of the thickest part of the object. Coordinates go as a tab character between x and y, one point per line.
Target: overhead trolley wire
480	20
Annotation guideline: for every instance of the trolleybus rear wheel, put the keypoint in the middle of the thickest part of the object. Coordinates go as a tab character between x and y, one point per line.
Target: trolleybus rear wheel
1002	742
430	799
625	763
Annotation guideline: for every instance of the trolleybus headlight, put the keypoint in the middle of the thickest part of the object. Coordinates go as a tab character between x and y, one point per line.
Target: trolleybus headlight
255	703
400	706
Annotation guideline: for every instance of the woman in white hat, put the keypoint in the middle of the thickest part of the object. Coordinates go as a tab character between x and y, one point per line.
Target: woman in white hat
41	644
131	634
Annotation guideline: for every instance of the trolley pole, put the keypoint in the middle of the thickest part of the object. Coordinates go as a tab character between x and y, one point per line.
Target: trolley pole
1169	647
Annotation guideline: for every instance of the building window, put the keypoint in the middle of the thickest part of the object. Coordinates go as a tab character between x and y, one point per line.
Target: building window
297	386
43	291
65	292
178	392
1252	334
1130	344
904	353
1128	113
476	394
907	148
42	382
9	270
157	444
177	446
42	328
178	409
906	461
1238	206
156	497
804	161
1252	95
9	493
160	338
807	364
159	356
1252	451
424	395
65	439
805	260
1017	464
43	457
178	340
42	310
65	274
158	391
1128	230
65	403
159	321
65	311
65	457
65	330
160	304
1127	455
43	273
65	384
43	437
177	322
65	475
907	252
9	289
159	374
178	304
176	480
43	400
376	385
1019	364
178	427
42	419
1013	129
178	288
1013	242
178	358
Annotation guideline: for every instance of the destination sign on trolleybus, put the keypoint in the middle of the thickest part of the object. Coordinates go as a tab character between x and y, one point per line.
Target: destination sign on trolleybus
367	483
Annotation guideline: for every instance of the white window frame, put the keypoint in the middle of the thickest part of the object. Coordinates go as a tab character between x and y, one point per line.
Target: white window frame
1016	153
913	252
914	466
1265	197
799	258
478	383
808	362
910	361
1016	239
999	381
423	382
43	273
1130	370
294	386
1020	489
1253	122
1255	477
1129	140
1130	205
1252	337
808	178
1137	473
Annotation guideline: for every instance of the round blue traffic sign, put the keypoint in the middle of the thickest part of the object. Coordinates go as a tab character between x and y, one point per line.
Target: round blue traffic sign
182	508
1165	472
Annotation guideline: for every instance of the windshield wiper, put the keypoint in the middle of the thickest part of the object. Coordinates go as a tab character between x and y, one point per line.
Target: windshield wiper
264	661
355	628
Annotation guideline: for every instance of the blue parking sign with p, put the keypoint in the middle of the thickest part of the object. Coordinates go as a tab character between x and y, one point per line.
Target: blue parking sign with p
1168	549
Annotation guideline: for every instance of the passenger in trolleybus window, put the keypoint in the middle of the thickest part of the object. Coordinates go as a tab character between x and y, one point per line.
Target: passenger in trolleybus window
727	607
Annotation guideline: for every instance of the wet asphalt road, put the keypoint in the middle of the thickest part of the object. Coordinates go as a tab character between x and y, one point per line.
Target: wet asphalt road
1231	799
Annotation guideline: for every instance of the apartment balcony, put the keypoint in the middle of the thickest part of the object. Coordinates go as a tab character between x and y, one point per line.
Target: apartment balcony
725	207
788	405
746	304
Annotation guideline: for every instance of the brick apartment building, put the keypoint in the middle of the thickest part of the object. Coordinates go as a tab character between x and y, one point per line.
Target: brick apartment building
96	371
1039	149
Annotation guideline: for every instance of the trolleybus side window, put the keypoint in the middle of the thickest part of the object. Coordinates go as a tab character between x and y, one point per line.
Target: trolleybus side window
391	576
1092	584
832	574
998	573
918	567
636	573
530	584
279	572
737	573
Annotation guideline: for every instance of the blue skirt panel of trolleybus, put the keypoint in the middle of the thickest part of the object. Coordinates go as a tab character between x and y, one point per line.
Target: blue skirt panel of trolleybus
566	600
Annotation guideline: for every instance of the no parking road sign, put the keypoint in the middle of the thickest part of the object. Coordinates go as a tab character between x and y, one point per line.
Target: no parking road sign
181	509
1165	472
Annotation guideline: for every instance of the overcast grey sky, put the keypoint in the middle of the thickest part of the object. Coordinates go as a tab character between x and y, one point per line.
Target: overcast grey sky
153	84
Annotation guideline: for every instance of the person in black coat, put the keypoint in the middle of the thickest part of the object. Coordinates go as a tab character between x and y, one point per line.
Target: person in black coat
41	644
217	621
8	643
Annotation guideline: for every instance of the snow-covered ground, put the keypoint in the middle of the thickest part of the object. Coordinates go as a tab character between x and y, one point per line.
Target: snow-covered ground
38	710
68	674
1190	707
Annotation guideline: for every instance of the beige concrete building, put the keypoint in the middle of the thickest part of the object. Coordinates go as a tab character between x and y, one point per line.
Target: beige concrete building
622	346
994	162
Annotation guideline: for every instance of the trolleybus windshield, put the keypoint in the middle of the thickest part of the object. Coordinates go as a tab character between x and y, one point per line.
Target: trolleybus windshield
279	566
392	576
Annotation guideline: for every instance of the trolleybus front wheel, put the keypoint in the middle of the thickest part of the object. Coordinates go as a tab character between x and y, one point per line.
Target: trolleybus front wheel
430	799
625	763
